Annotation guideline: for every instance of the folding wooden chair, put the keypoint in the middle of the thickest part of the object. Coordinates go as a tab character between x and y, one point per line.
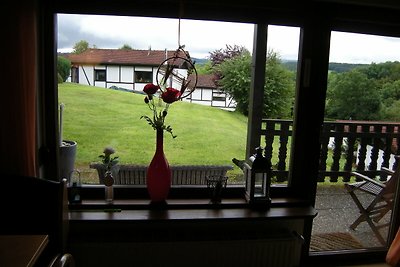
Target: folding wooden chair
382	203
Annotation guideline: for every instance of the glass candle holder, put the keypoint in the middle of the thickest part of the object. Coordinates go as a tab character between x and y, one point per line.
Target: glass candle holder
216	183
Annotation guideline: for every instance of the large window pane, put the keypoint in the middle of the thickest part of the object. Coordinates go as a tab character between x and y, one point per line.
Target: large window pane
359	134
119	55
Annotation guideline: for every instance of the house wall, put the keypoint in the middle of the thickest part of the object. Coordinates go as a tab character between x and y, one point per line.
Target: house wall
86	75
113	74
124	77
127	74
120	76
212	97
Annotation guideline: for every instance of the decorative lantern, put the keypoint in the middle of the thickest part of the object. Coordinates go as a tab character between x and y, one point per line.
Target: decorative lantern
258	180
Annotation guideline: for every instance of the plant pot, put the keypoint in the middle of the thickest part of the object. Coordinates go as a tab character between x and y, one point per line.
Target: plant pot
67	159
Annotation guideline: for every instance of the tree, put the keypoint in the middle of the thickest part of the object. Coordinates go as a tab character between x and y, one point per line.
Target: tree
204	68
387	71
391	112
220	55
390	93
352	95
236	79
126	47
63	68
80	47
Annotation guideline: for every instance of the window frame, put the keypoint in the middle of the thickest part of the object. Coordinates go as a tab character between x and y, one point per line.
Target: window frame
100	73
327	17
313	51
144	73
286	191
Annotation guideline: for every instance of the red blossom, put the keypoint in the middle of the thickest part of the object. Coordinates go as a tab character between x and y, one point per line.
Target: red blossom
170	95
150	89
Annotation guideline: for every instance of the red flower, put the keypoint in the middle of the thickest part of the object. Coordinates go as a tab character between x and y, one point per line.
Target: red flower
170	95
150	89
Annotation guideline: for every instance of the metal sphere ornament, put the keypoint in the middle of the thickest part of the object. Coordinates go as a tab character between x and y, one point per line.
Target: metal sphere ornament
178	70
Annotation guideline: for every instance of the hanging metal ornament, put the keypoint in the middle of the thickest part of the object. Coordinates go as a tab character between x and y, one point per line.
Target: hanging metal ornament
178	70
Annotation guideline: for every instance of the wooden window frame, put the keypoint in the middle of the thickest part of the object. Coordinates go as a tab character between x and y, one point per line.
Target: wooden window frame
100	73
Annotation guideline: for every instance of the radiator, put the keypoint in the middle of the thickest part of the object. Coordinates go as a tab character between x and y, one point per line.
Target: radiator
283	251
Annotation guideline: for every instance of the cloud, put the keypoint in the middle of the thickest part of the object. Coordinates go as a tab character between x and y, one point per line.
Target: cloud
363	48
199	37
202	37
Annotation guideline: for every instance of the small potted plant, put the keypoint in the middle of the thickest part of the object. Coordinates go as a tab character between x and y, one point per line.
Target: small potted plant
111	170
109	163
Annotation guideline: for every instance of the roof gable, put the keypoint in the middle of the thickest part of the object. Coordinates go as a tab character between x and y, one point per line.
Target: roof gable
204	81
120	57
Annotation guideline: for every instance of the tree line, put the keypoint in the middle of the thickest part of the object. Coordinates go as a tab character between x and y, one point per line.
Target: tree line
355	91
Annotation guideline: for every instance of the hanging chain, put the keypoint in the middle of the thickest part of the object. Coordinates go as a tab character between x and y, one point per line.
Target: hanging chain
179	22
179	32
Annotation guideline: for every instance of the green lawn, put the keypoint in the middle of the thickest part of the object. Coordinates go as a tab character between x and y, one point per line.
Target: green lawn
97	117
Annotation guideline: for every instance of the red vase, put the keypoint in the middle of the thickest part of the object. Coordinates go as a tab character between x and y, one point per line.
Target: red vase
159	173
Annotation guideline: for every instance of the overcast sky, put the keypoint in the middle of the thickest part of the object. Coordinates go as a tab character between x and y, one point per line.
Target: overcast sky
202	37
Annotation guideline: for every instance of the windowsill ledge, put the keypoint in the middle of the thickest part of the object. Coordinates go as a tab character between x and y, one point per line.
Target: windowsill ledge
189	209
198	203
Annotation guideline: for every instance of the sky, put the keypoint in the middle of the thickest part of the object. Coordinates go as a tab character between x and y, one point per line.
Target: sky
202	37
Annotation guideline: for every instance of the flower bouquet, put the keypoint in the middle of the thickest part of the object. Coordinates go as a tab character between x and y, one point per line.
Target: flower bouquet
159	98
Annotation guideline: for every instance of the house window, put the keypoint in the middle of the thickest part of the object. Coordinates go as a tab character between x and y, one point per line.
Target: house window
143	77
218	96
100	75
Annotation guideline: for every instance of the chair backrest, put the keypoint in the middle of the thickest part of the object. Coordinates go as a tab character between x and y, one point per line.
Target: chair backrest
32	205
392	182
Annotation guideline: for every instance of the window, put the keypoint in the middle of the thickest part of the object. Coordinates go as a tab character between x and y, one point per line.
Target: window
218	98
360	109
143	77
136	148
310	87
100	75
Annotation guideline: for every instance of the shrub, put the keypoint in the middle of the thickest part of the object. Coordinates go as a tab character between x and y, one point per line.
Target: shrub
63	67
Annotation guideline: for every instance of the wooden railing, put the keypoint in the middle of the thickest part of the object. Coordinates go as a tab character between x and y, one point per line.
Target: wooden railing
181	174
346	146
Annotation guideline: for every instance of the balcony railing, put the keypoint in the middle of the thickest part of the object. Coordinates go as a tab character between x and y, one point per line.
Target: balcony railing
346	146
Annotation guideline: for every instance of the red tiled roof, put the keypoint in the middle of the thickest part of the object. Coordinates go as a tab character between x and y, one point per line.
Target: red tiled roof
204	81
120	57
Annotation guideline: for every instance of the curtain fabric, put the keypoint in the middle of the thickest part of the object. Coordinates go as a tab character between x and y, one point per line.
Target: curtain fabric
18	91
393	255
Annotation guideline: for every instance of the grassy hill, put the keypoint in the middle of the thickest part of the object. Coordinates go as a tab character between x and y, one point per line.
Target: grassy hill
97	117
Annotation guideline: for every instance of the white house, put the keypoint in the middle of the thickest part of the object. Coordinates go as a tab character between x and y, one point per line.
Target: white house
207	93
133	69
126	69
